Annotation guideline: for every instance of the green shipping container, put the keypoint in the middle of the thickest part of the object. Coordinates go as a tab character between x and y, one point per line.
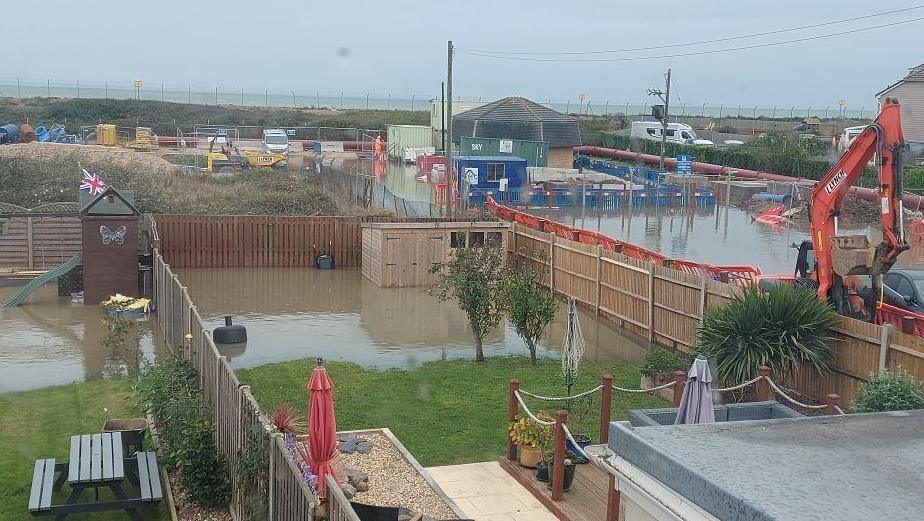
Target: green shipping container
536	153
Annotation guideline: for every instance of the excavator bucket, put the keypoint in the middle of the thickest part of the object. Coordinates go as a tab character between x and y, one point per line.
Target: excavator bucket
852	255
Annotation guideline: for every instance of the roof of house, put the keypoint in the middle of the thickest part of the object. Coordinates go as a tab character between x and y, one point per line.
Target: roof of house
915	74
859	466
517	118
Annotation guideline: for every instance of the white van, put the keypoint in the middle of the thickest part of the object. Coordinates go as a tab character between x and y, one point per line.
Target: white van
676	133
275	141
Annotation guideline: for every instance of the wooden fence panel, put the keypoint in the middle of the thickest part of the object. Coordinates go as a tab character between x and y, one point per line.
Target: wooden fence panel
666	306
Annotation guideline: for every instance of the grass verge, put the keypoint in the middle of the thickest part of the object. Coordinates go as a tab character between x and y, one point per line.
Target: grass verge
444	412
38	424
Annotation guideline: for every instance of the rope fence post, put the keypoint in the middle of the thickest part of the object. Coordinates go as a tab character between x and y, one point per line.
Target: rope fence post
680	379
512	408
832	402
613	499
763	386
558	460
606	397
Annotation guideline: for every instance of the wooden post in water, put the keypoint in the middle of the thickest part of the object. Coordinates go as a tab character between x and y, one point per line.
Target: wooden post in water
606	397
558	460
512	407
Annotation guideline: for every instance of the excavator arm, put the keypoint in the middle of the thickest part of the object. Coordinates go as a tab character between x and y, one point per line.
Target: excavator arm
840	256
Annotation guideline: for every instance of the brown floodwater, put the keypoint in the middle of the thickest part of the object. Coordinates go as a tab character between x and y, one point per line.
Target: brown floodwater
289	313
295	313
51	341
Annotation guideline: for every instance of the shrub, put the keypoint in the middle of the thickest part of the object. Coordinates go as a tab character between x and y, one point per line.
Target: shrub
660	360
784	328
889	391
528	306
168	391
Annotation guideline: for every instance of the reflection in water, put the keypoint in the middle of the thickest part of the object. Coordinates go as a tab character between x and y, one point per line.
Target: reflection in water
51	341
295	313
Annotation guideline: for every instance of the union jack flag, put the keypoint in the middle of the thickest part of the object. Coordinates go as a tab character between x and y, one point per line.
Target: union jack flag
92	183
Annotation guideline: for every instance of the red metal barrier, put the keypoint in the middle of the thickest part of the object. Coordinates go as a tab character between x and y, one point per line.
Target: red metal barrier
903	320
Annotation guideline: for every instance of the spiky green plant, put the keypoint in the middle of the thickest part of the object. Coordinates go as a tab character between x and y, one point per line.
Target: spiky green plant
784	328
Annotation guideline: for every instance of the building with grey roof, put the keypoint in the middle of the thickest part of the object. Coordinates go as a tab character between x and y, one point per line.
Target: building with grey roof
910	93
519	118
853	467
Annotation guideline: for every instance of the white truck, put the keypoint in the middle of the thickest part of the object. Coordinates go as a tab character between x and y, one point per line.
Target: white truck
275	141
676	133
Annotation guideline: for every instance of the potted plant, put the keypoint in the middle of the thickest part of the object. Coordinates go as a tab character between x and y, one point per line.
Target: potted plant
530	437
569	470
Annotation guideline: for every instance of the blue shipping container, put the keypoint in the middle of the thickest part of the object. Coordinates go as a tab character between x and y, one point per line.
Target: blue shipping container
484	173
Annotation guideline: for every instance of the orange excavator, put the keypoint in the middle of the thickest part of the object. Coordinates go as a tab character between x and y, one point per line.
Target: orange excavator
837	264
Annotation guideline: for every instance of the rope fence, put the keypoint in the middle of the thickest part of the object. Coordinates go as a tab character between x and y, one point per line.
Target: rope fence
530	413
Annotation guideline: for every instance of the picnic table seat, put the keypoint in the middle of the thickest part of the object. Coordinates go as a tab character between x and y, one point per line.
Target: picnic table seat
95	464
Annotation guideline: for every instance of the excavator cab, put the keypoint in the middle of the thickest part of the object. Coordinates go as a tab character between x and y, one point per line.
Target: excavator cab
853	292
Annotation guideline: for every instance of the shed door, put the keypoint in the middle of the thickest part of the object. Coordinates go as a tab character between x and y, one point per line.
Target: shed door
430	250
393	261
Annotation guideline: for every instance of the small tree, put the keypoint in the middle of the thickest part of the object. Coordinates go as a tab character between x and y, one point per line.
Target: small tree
473	277
528	306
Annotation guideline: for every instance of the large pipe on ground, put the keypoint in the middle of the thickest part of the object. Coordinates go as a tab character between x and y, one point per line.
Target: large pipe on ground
306	143
867	194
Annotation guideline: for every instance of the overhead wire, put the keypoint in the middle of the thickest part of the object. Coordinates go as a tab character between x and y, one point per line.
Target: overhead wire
692	53
703	42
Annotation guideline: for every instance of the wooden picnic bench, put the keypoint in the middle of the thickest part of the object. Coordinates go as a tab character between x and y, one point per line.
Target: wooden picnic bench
96	461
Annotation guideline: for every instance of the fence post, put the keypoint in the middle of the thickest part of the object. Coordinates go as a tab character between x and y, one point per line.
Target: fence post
651	302
885	338
832	401
599	286
512	407
763	386
702	298
680	377
552	263
271	486
606	398
558	460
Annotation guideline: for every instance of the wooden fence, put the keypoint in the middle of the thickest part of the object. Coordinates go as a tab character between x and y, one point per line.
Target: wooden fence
285	496
666	306
38	242
226	241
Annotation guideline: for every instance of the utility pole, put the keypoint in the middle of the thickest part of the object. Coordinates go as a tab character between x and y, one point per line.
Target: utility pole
448	128
665	97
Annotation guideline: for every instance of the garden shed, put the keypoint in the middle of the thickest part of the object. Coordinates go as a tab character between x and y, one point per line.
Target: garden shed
109	230
399	255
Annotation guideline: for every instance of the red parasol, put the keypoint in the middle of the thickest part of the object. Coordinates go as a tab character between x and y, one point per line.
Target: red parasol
322	426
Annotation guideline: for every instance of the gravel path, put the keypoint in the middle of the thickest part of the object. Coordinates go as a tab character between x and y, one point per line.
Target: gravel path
393	482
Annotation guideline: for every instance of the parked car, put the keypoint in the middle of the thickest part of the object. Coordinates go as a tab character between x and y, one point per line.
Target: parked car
904	288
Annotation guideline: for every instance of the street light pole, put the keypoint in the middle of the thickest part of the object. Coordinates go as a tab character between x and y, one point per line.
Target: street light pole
448	128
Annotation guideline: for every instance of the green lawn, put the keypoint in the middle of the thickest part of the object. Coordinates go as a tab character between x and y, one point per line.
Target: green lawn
444	412
38	424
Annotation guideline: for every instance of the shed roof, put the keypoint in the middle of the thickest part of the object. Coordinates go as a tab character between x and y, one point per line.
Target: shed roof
517	118
914	74
109	202
859	466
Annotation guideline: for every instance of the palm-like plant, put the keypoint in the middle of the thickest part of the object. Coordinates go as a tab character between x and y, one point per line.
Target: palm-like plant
784	328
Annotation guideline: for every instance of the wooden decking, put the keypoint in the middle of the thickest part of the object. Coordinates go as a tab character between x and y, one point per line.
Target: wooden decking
586	501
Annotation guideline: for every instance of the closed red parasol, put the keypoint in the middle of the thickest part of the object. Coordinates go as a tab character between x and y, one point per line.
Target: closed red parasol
322	426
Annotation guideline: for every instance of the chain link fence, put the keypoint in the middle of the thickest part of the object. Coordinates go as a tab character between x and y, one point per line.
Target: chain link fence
365	191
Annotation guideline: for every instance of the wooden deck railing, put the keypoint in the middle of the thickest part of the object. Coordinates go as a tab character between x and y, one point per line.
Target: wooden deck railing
285	496
338	505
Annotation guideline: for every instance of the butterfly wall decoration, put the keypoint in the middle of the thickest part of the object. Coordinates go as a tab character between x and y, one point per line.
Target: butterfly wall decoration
110	236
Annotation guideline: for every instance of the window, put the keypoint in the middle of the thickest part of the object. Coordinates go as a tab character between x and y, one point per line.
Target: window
903	287
495	238
686	135
652	131
670	132
457	240
495	172
476	239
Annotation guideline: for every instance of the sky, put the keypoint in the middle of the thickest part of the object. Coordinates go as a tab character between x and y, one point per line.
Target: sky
398	48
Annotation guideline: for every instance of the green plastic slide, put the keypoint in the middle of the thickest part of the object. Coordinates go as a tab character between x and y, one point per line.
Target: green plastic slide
48	276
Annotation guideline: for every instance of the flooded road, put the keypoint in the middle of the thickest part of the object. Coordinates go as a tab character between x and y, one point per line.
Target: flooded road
51	341
295	313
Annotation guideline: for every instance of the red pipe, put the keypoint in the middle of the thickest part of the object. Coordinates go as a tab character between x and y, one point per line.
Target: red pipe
867	194
306	143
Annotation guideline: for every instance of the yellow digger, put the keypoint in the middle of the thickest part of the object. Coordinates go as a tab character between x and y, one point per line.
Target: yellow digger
229	160
145	140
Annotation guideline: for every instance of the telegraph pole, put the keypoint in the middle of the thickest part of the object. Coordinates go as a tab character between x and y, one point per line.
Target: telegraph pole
665	97
448	128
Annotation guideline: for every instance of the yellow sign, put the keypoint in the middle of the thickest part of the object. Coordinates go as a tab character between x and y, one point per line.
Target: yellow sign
137	84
